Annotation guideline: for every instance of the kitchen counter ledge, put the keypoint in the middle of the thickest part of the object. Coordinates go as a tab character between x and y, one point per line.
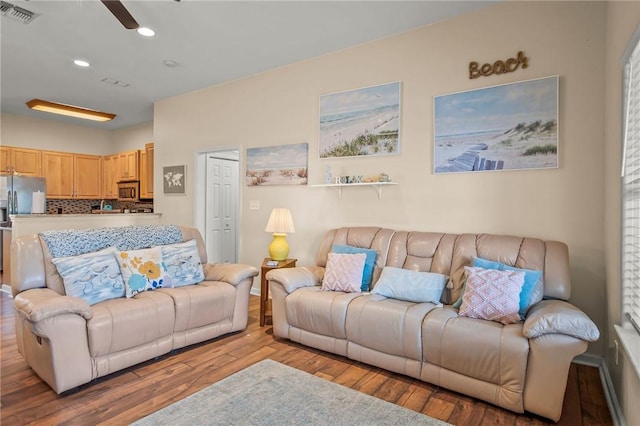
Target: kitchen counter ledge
26	224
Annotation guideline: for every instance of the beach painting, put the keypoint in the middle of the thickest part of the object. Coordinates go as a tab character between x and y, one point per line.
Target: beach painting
360	122
507	127
277	165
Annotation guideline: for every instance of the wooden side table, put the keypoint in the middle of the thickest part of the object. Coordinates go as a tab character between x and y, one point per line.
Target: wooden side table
265	309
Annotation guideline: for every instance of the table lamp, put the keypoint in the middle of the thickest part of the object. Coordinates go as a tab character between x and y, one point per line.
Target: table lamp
280	223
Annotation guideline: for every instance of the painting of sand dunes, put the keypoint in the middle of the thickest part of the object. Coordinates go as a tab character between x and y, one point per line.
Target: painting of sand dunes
507	127
277	165
360	122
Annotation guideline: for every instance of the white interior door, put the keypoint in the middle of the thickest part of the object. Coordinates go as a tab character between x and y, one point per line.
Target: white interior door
221	209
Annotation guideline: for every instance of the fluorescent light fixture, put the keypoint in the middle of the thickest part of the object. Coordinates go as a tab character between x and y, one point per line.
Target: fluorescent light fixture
70	110
147	32
81	63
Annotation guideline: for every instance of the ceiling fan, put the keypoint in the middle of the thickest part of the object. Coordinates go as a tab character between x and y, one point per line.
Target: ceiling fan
121	13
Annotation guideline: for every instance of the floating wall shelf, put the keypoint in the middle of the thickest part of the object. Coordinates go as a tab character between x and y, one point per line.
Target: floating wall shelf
338	186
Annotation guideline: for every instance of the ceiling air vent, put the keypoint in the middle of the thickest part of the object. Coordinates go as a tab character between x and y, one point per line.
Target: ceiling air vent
17	13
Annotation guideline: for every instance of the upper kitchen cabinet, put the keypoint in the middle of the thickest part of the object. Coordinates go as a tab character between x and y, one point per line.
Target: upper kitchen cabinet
110	176
146	171
20	161
72	175
87	176
128	165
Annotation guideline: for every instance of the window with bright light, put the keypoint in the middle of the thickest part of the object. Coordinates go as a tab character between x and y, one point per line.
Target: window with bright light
631	185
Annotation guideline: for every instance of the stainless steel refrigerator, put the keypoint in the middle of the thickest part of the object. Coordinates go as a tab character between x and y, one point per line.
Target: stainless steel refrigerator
18	192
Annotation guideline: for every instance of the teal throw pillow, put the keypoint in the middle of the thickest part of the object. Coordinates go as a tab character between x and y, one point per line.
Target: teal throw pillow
412	286
182	263
532	279
94	276
369	264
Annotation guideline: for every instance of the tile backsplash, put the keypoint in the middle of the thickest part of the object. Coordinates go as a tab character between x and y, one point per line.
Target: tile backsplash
85	206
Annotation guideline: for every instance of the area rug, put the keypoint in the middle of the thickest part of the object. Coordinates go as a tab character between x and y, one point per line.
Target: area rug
270	393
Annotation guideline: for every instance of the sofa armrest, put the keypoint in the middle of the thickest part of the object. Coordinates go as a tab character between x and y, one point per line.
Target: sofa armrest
294	278
232	273
560	317
41	303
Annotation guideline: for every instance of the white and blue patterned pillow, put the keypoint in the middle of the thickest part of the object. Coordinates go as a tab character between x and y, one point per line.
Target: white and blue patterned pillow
94	277
183	264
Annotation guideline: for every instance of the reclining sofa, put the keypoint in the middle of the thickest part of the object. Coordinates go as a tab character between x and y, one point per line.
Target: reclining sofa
520	366
68	342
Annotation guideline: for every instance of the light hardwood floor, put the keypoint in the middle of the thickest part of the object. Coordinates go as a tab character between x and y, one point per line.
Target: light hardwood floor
135	392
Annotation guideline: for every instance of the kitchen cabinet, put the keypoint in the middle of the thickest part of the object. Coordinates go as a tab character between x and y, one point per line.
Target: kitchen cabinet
128	165
72	175
146	171
20	161
110	176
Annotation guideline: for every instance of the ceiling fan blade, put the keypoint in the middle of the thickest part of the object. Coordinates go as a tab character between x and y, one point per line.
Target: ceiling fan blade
121	13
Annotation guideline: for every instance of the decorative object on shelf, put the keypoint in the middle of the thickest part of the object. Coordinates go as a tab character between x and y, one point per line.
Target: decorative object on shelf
498	67
277	165
508	127
338	186
360	122
328	176
280	224
173	179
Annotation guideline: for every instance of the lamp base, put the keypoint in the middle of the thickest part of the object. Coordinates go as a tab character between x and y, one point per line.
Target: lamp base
279	249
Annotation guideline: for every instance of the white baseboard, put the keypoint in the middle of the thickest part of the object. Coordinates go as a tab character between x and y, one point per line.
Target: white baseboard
607	385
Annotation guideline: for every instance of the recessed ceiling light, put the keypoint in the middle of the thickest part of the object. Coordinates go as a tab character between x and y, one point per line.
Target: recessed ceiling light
81	63
147	32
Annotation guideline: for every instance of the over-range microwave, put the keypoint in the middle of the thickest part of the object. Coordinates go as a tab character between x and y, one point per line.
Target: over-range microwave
129	190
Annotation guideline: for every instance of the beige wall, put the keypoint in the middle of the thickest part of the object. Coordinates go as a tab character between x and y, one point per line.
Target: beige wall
281	107
28	132
622	20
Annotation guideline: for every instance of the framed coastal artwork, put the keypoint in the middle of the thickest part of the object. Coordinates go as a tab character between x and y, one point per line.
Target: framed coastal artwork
507	127
173	179
360	122
277	165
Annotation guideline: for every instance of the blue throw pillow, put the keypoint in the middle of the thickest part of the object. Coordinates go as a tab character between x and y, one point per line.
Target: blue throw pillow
369	263
412	286
531	279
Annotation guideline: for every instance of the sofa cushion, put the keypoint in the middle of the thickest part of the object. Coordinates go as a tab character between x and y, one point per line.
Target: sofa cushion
492	295
94	277
386	325
201	305
412	286
125	323
142	270
320	312
182	263
532	288
369	263
344	272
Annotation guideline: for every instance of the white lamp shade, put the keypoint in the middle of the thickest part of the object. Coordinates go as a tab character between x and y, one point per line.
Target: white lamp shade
280	221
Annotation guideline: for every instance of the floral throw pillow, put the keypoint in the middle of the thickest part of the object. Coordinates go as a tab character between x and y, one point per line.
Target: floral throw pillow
344	272
142	270
492	295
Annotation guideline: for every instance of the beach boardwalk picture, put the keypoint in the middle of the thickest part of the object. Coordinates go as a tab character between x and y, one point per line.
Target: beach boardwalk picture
277	165
512	126
360	122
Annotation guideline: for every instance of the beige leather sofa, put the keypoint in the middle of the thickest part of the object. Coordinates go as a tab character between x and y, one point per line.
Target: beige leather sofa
520	367
68	343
